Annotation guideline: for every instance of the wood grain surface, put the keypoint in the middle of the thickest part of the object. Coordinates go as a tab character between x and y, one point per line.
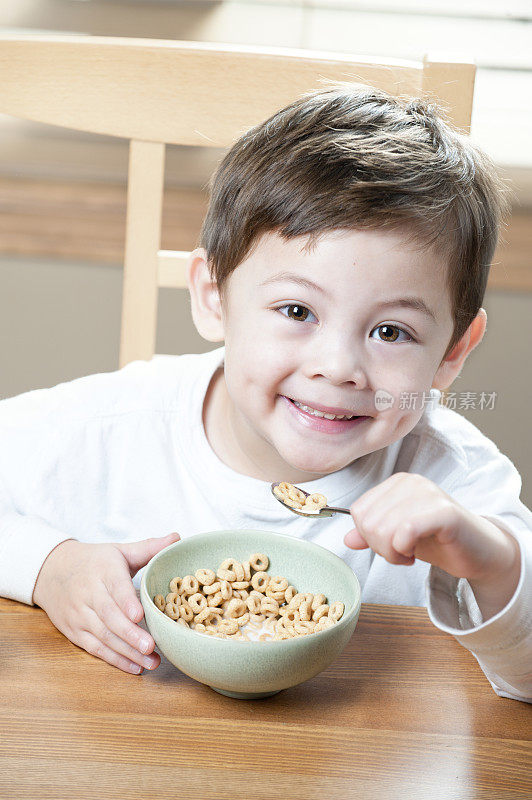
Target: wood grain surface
403	712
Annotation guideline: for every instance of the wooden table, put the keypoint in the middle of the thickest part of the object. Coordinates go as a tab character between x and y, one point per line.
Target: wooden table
404	713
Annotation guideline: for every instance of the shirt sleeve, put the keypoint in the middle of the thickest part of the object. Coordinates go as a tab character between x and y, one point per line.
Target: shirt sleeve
52	456
502	644
25	543
34	426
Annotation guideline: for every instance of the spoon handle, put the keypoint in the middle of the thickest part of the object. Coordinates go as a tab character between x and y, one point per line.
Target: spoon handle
338	510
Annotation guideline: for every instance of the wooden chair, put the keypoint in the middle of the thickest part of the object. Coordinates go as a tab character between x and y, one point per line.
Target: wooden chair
155	92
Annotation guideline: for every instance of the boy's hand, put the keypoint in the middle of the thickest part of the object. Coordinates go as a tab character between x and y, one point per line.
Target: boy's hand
87	592
407	516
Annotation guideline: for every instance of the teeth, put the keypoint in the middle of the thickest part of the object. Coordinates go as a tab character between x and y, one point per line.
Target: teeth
320	413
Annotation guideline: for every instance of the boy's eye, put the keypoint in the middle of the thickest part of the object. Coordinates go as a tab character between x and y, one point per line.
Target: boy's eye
391	333
297	312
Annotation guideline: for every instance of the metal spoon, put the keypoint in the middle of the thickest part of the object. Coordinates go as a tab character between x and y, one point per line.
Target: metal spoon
326	511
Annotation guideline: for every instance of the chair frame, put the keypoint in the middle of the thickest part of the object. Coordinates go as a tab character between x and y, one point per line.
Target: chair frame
156	92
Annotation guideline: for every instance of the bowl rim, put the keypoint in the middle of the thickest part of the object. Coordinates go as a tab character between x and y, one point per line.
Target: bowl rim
181	629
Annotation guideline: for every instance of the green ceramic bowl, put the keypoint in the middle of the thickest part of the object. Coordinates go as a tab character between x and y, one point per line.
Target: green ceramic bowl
243	669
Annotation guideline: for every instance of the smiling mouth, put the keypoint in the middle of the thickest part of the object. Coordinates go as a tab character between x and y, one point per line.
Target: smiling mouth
324	415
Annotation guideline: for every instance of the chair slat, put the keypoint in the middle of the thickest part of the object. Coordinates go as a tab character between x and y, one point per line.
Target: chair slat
143	234
172	269
451	84
187	93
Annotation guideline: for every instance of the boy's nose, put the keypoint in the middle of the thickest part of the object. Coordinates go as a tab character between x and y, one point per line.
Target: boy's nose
339	366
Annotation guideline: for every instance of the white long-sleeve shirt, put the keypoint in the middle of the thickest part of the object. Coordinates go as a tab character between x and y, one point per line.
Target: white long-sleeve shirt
122	456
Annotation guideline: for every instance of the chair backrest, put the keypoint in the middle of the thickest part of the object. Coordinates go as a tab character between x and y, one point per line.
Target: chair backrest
154	92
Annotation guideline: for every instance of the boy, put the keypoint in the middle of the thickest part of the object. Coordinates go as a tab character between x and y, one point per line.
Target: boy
343	260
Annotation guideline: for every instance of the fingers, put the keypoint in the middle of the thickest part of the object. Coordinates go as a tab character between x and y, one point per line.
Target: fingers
112	643
354	540
404	518
114	619
138	554
383	517
124	595
105	631
95	647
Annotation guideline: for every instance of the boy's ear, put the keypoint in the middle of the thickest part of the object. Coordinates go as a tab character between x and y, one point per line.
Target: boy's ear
452	364
205	300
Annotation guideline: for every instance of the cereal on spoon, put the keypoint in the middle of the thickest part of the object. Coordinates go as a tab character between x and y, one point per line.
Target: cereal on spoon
295	498
242	601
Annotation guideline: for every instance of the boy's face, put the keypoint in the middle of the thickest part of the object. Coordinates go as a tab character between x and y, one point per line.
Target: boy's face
334	346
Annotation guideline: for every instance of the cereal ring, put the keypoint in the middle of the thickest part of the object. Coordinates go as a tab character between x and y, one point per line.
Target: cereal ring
243	620
302	629
305	611
226	575
310	508
289	593
189	584
282	635
205	576
320	612
260	581
172	611
291	617
212	588
296	494
173	597
159	601
282	489
318	500
243	594
197	602
228	626
236	608
269	605
278	596
211	622
253	604
336	611
185	612
278	584
207	613
175	585
234	566
259	562
215	600
258	618
280	625
289	501
199	627
296	600
182	622
319	600
240	585
226	589
246	566
323	624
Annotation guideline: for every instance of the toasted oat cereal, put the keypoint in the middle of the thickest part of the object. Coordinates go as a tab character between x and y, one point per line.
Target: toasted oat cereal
291	496
241	601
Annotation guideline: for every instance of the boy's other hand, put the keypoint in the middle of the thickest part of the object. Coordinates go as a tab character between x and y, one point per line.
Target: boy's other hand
407	516
88	594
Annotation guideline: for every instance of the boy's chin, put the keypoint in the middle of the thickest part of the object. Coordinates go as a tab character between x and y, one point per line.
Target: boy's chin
312	468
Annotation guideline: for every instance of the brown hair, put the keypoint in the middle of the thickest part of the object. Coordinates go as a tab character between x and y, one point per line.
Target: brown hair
356	157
